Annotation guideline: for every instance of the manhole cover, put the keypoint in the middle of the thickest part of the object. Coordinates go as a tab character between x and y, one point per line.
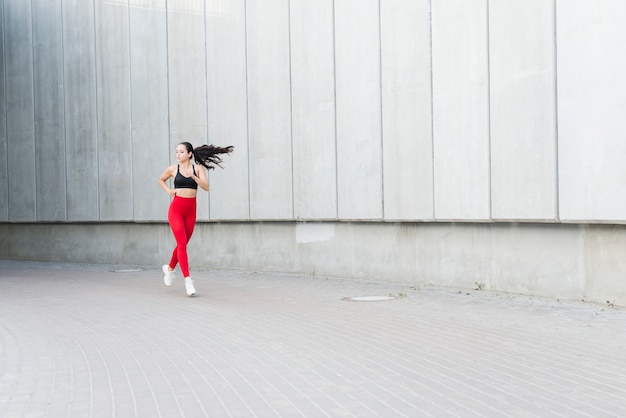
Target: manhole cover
368	298
127	270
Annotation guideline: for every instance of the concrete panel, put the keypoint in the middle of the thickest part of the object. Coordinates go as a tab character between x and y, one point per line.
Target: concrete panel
150	129
557	261
359	131
4	180
269	109
20	111
113	93
227	106
407	114
591	107
460	109
544	260
523	109
80	110
187	80
313	95
605	263
49	119
76	241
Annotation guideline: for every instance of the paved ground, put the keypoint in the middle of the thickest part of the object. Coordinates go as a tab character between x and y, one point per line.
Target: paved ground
86	340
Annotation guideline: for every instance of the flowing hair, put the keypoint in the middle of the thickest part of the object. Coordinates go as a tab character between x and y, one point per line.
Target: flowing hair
208	155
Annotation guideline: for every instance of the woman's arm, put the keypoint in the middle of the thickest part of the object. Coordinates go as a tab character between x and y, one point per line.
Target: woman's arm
167	174
201	177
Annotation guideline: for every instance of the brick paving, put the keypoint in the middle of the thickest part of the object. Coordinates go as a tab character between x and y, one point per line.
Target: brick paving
89	341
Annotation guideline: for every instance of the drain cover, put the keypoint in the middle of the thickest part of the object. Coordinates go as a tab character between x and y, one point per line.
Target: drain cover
368	298
127	270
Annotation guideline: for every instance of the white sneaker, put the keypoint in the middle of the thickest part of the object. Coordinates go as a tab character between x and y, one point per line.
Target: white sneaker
191	291
168	276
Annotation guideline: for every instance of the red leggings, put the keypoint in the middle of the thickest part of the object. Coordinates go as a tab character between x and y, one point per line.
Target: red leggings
182	218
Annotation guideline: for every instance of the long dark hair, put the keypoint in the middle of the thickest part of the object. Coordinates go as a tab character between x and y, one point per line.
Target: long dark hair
206	155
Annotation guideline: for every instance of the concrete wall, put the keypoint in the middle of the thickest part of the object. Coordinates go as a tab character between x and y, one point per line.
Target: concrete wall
397	110
411	112
561	261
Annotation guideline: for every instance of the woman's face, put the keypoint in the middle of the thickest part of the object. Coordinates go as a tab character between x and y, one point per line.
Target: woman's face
182	154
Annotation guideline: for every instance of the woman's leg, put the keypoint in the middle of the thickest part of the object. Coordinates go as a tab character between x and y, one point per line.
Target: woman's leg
182	218
177	224
189	224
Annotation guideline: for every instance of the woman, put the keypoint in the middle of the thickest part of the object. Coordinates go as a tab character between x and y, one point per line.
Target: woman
182	212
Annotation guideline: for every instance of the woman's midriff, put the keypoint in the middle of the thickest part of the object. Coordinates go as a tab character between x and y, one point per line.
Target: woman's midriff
186	192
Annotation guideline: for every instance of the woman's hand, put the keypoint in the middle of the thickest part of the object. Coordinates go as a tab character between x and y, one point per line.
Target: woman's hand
167	174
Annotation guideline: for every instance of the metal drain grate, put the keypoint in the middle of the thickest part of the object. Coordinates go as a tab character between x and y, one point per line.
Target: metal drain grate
127	270
368	298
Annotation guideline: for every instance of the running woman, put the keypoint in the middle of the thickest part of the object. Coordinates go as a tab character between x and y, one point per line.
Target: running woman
182	212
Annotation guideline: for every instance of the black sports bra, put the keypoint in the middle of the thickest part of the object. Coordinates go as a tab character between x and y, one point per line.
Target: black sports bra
182	182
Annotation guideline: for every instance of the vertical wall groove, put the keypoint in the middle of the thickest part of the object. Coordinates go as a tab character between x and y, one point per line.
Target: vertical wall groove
293	194
64	104
490	182
245	15
32	55
206	97
4	113
130	109
96	107
335	110
167	72
206	82
557	213
432	109
382	120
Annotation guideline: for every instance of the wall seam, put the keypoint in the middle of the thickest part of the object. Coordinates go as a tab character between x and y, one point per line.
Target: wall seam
489	113
382	130
335	110
293	195
167	81
557	206
63	111
432	109
95	70
32	57
130	111
245	28
4	115
206	100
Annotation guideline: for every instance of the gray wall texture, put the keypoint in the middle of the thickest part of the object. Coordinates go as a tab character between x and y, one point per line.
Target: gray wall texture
347	109
418	111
